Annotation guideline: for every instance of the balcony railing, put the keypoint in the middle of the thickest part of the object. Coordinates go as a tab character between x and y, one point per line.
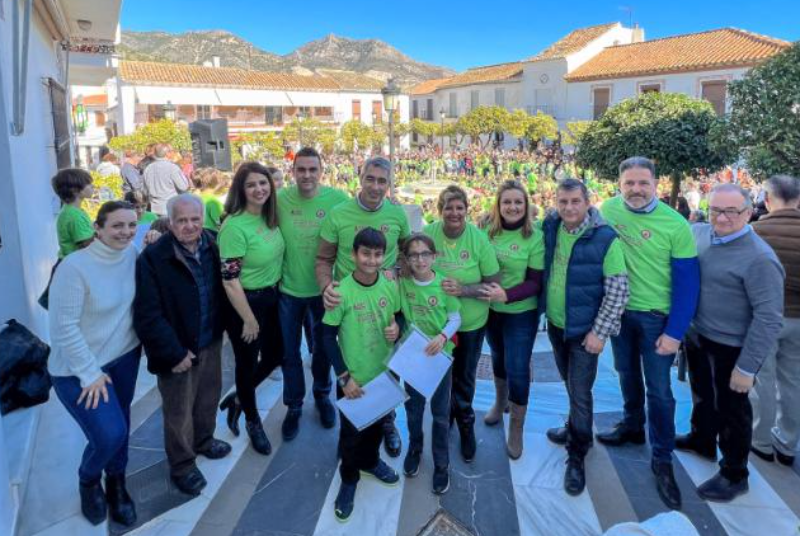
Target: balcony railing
548	109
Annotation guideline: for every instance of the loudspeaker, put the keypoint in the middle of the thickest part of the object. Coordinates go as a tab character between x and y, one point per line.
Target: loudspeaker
210	144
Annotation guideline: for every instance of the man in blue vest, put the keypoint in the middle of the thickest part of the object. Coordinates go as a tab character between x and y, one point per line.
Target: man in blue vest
582	249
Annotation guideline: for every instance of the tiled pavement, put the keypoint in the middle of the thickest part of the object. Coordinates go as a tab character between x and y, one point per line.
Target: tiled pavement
291	492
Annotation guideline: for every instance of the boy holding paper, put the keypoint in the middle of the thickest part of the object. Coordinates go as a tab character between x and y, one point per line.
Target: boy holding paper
365	325
426	305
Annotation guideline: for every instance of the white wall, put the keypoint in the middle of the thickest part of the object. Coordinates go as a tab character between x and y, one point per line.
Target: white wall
580	103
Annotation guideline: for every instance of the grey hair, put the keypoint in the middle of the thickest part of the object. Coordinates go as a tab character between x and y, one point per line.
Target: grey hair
637	162
783	187
570	185
161	150
729	187
183	198
378	162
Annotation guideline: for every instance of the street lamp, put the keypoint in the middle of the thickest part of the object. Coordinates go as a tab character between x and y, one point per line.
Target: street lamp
300	116
442	115
169	110
390	103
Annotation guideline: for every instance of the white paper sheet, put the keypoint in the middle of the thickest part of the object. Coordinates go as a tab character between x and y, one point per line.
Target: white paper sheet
381	396
422	372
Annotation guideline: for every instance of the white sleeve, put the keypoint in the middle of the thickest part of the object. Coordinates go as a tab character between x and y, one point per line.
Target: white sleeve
453	323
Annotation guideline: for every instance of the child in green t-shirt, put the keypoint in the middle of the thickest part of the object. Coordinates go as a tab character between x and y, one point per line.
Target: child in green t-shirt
74	227
365	325
427	306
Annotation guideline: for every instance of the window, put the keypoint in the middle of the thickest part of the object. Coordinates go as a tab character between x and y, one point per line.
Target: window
304	111
61	138
99	119
273	115
377	111
544	101
716	92
203	111
500	97
474	99
429	113
601	97
453	106
650	88
356	110
324	112
415	110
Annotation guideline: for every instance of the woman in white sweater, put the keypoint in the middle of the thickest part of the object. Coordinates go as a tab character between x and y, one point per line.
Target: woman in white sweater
95	355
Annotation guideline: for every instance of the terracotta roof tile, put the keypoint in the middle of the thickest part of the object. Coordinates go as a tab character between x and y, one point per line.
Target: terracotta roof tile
429	86
573	42
195	75
482	75
715	49
93	100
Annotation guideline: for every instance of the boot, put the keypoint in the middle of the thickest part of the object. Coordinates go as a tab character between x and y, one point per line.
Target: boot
93	502
120	504
514	446
495	414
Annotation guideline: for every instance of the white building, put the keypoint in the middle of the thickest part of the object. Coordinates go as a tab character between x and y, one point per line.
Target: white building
68	42
249	100
90	118
579	76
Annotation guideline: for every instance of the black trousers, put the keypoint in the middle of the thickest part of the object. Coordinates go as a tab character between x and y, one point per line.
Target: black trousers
719	413
360	450
257	359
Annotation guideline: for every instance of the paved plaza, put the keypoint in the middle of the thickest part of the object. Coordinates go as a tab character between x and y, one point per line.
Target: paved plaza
291	492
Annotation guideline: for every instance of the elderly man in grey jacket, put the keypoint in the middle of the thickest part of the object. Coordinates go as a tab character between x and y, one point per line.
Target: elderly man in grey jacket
739	317
163	180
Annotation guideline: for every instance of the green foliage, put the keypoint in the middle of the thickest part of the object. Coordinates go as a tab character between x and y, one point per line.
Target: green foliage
260	146
541	126
306	131
356	134
483	121
575	129
676	131
162	131
764	123
423	128
106	188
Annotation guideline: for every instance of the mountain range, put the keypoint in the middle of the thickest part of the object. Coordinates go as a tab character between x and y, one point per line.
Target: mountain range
370	57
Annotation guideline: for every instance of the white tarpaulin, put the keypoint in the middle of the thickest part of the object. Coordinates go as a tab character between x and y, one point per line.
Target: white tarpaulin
176	95
252	97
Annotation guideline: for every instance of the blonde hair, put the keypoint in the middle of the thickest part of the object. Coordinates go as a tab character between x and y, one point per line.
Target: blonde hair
496	225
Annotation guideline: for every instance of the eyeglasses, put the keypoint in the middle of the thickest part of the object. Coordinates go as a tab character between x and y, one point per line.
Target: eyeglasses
730	213
424	256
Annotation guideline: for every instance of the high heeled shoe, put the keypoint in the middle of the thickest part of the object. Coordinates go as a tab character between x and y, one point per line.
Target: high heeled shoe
234	408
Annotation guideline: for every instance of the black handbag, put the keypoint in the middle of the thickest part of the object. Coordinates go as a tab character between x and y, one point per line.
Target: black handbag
24	380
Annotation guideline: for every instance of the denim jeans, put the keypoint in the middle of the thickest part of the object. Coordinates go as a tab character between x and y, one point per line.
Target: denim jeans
578	369
440	411
256	360
465	366
295	312
634	356
511	337
360	449
106	427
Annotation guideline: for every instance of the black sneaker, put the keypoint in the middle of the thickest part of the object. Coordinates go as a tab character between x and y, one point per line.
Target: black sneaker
468	442
411	463
345	501
441	480
327	413
784	459
258	437
391	440
291	424
383	473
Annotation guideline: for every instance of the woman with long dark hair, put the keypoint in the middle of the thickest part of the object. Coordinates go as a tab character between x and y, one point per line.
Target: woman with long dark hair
251	247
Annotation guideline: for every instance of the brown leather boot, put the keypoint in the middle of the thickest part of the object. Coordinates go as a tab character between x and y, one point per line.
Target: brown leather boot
515	428
495	413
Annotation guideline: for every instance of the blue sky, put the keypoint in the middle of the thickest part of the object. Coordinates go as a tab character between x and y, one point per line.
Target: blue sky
454	34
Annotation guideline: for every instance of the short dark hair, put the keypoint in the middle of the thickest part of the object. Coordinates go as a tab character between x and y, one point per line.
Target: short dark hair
638	162
236	202
137	197
783	187
307	152
369	238
107	208
570	185
68	182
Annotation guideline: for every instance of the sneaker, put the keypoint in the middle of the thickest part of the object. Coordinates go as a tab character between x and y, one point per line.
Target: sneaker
383	473
327	413
468	442
411	463
345	500
291	424
441	480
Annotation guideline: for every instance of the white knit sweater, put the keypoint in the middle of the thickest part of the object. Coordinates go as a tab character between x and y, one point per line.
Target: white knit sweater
91	315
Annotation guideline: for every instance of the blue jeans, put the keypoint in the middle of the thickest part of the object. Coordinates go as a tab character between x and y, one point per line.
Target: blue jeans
635	355
294	313
106	428
511	337
465	366
440	430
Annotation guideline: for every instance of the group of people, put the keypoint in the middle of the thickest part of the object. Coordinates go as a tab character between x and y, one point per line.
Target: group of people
350	272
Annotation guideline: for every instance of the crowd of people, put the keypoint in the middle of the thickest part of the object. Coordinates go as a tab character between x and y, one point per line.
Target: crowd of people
266	260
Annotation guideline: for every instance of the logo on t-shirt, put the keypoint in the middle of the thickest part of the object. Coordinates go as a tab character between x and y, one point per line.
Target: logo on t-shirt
382	303
514	247
646	234
464	255
320	213
433	301
385	229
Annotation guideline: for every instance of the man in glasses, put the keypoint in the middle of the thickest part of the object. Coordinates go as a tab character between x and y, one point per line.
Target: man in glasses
739	317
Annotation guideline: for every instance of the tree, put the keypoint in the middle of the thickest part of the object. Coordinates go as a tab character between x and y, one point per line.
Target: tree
483	121
575	129
260	146
307	131
764	123
541	126
423	128
355	133
162	131
674	130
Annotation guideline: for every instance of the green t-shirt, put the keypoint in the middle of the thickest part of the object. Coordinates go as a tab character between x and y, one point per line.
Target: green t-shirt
650	242
347	219
213	211
147	217
73	227
427	306
613	264
467	259
245	236
362	315
515	254
300	221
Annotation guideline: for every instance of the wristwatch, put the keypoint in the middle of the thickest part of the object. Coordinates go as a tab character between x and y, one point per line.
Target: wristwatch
342	380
